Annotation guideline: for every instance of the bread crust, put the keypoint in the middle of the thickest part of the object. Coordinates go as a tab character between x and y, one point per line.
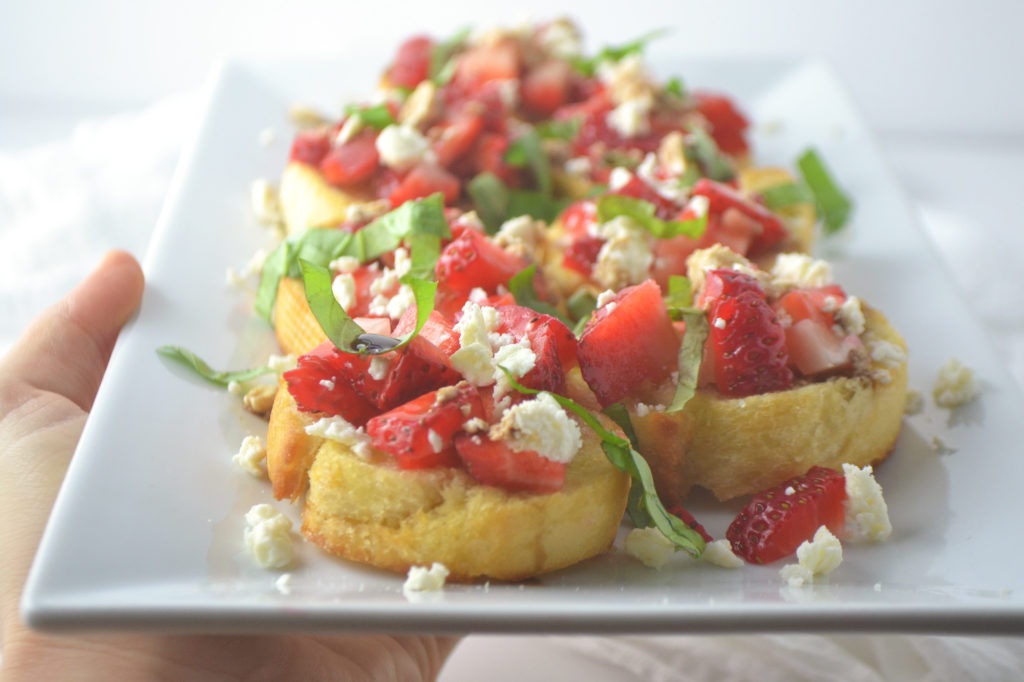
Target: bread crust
739	446
308	200
369	511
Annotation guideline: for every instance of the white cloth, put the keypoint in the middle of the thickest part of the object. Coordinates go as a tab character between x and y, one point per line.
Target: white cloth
62	205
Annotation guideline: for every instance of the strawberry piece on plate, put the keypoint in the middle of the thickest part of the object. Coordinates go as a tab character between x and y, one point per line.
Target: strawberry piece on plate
412	62
748	345
776	521
495	463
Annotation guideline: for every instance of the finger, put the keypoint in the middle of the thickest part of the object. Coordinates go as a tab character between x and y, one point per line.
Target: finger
65	351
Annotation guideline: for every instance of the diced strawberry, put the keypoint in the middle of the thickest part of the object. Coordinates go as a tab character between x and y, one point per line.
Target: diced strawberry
721	197
422	181
310	146
546	86
473	260
495	463
491	61
817	304
579	216
541	329
815	350
436	329
664	208
776	521
629	345
749	346
489	157
318	384
412	63
688	519
723	283
353	162
728	125
581	253
375	325
410	371
420	433
457	137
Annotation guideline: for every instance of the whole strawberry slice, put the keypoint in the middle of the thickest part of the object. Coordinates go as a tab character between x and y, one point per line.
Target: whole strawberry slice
749	346
419	433
776	521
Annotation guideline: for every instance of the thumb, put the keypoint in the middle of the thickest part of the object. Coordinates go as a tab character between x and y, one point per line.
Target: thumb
65	351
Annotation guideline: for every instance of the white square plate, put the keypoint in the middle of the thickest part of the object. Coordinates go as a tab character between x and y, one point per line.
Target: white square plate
147	530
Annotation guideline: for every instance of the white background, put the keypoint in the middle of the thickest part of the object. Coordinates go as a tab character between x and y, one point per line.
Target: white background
939	81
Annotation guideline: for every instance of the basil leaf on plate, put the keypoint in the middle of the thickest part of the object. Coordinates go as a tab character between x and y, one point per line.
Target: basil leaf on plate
198	366
834	205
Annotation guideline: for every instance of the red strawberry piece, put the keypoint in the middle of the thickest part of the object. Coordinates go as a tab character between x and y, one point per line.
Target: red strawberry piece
318	384
687	518
546	86
399	376
721	197
496	463
579	216
310	146
629	347
493	61
412	62
776	521
424	180
353	162
728	125
749	346
419	433
542	330
726	283
457	137
473	260
581	253
437	329
817	304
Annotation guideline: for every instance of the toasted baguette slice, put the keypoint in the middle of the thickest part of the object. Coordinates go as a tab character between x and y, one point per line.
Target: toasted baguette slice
739	446
368	510
297	330
308	200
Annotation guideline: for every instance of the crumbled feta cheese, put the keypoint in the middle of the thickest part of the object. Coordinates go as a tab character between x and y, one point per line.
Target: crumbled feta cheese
401	146
268	536
365	211
337	429
790	490
643	409
282	363
475	425
423	579
719	553
886	353
265	203
579	165
625	257
719	323
631	118
605	297
344	289
562	39
519	236
619	178
435	440
327	383
718	257
540	424
867	515
914	403
284	583
800	271
518	358
850	316
249	456
403	299
650	546
627	79
344	264
475	359
819	556
955	385
378	368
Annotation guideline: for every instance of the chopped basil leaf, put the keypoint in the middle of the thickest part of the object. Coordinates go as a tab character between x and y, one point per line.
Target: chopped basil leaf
675	87
527	151
559	130
707	154
617	157
341	329
642	212
377	117
634	503
580	306
621	453
521	287
787	194
536	204
691	352
442	64
190	360
680	292
490	199
833	204
385	234
588	66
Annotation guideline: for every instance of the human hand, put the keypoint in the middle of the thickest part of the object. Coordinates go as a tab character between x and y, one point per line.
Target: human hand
47	385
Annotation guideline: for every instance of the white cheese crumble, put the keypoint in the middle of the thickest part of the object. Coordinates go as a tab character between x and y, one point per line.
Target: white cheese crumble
518	358
819	556
250	454
626	78
284	583
671	189
955	385
344	264
867	515
268	536
719	323
619	178
327	383
625	257
265	203
282	363
520	235
475	358
719	553
579	165
719	257
800	271
850	316
561	38
435	440
423	579
650	546
542	425
339	430
631	118
344	289
378	368
886	353
401	146
605	297
914	403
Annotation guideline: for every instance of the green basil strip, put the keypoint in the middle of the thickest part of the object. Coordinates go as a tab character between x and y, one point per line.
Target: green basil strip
581	305
442	66
385	234
193	362
527	151
834	205
521	287
625	458
634	504
787	194
536	204
559	130
691	352
341	329
424	250
674	86
377	117
490	199
588	66
704	149
680	292
641	212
